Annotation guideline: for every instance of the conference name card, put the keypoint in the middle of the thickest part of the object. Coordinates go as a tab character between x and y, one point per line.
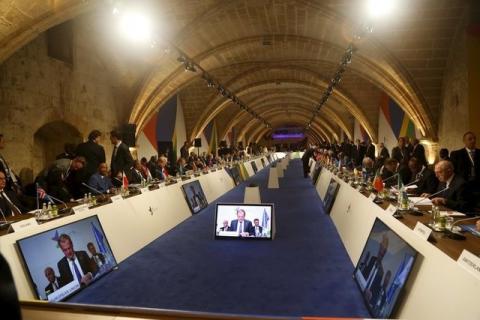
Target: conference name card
116	198
144	190
470	262
422	230
24	224
81	208
372	196
391	209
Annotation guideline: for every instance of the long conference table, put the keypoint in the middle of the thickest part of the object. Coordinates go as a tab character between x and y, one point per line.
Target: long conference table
129	223
439	287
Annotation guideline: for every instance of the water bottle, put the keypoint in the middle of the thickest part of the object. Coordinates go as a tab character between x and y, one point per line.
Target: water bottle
49	209
54	210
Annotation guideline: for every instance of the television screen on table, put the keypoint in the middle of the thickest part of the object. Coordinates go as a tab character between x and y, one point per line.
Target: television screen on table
383	269
234	172
262	160
254	166
316	173
196	199
246	221
330	195
66	259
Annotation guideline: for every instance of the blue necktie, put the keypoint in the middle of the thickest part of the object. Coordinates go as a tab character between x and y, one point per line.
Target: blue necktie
78	275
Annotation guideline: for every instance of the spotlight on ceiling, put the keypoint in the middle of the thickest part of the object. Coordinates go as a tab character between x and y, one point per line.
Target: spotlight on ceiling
190	67
135	26
380	8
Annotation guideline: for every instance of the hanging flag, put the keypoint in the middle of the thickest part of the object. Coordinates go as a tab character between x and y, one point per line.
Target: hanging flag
378	182
99	239
212	146
265	219
56	236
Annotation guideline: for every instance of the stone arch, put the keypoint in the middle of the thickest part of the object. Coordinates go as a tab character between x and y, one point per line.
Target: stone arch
219	104
49	141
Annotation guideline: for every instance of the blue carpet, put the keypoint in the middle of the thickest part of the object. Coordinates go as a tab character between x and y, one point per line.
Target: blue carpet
305	271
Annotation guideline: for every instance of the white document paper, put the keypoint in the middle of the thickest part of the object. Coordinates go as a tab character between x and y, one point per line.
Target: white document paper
452	214
419	201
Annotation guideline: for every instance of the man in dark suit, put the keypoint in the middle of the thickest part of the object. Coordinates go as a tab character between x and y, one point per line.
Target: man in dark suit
76	265
225	226
457	196
358	153
184	150
387	172
400	152
122	160
422	176
12	182
373	272
9	203
383	155
53	281
467	161
418	151
306	160
241	225
369	150
93	152
197	200
256	229
97	258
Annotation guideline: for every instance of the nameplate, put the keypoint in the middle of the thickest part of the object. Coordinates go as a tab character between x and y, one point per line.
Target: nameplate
358	188
391	209
470	262
116	198
24	224
144	190
372	196
81	208
422	230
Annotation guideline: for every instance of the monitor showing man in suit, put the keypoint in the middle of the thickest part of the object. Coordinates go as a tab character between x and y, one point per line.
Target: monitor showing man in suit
54	282
383	269
235	221
195	196
58	262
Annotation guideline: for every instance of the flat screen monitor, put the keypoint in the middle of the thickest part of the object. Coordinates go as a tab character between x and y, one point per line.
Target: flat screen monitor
235	173
330	195
316	173
383	269
66	259
262	160
254	166
194	195
245	221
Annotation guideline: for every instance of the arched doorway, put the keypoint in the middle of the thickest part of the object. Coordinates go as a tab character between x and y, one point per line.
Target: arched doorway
49	141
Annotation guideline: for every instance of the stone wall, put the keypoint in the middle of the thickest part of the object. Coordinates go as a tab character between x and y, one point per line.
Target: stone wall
454	114
36	90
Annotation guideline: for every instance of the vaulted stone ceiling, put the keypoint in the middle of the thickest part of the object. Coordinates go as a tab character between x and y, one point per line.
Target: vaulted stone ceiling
277	56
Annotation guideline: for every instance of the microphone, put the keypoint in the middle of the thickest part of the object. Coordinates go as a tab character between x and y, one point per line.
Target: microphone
3	215
434	194
456	235
56	199
92	188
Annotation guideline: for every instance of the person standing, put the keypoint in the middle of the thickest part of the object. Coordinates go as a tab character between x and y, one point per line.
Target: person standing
122	160
12	182
93	152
